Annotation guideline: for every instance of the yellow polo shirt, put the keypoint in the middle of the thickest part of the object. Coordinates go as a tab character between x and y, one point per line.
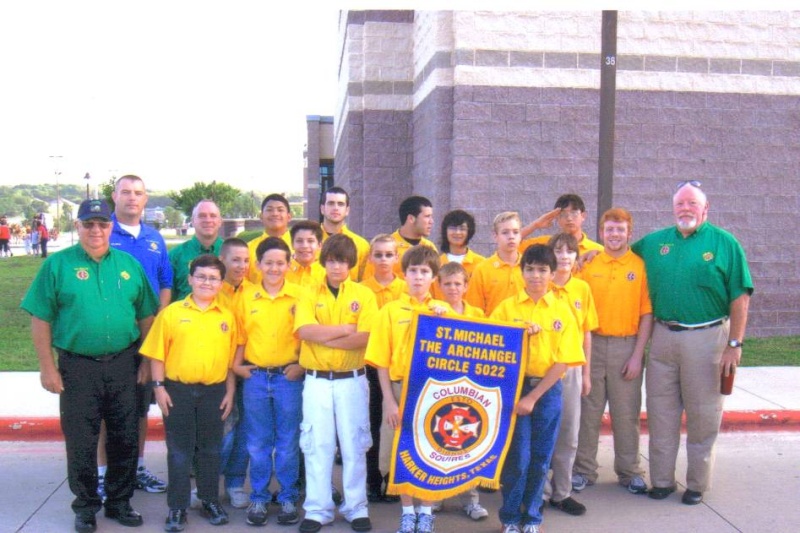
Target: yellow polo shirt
388	293
355	304
229	295
266	325
584	245
253	273
578	296
402	247
196	345
492	281
470	261
306	276
389	341
471	311
619	288
362	249
559	340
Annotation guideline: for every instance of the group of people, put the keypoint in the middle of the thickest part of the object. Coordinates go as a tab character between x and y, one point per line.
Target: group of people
34	237
278	356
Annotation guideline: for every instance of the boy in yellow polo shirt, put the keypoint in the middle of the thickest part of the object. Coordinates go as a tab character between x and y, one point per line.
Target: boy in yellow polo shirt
388	352
553	346
576	382
191	347
267	359
619	285
387	287
333	322
305	270
497	277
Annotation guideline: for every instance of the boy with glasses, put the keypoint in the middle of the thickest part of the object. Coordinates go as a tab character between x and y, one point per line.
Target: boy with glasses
570	214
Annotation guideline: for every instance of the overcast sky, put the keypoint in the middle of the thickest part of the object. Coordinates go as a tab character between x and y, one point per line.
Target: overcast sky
174	91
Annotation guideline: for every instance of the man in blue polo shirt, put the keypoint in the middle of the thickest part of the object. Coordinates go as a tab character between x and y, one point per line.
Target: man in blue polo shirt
146	244
700	288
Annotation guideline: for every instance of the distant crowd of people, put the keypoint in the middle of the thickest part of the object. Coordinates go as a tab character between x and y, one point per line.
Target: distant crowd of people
33	236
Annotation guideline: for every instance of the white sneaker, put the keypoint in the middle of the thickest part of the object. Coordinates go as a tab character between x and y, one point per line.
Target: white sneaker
511	528
195	502
239	497
476	511
580	482
636	485
531	528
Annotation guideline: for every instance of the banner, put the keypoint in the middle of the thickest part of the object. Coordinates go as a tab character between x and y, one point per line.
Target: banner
456	406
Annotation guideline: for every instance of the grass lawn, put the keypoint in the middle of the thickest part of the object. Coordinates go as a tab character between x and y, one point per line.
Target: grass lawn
17	354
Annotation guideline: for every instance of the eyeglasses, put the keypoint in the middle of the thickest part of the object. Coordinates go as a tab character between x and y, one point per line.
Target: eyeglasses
463	228
206	279
90	224
693	183
570	214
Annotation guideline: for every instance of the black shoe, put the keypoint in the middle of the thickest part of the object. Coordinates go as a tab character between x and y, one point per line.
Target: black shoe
85	523
659	493
336	496
374	495
390	498
309	526
692	497
176	520
361	524
569	506
215	513
125	515
288	514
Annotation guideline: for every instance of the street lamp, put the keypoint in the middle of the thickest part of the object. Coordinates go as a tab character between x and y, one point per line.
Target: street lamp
87	177
57	221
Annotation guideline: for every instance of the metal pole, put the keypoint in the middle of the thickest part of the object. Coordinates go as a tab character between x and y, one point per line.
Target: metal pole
608	88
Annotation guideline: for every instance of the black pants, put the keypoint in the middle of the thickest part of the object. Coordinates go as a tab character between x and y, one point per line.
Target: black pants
95	390
374	478
194	425
43	245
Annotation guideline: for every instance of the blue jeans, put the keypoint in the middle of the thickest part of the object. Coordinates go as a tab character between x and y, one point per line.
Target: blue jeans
528	458
272	414
234	456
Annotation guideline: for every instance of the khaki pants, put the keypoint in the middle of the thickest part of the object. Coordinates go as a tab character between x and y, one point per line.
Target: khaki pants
559	486
683	375
609	355
387	435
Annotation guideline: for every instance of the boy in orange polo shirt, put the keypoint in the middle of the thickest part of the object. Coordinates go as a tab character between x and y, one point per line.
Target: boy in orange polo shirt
497	277
387	351
190	347
619	285
267	359
333	322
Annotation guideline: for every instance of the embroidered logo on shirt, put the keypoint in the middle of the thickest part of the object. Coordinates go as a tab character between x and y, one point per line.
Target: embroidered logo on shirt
355	306
224	327
124	275
153	246
577	304
292	309
257	295
631	276
557	325
708	256
82	274
665	249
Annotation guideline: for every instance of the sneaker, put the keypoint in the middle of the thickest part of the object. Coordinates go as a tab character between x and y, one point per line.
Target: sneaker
425	523
215	513
569	506
408	523
257	514
635	485
476	511
580	482
511	528
239	497
194	501
101	488
176	520
531	528
336	496
288	514
148	482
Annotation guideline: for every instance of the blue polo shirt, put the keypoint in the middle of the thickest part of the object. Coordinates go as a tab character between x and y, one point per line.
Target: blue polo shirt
149	249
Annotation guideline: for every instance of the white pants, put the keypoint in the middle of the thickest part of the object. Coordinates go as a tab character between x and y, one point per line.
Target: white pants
332	407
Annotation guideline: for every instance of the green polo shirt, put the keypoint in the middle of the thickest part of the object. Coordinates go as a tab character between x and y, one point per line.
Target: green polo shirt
180	257
693	280
92	307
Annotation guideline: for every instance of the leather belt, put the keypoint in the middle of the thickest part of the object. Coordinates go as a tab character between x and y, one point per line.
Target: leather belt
676	326
268	369
330	375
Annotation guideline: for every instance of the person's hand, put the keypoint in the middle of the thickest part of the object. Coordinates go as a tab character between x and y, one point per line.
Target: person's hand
438	310
524	406
585	259
51	380
632	369
391	413
294	372
244	371
163	400
226	406
533	329
586	381
546	220
731	357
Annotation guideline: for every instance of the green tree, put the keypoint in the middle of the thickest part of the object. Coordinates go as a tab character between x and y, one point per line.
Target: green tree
245	206
224	195
65	224
173	218
34	207
106	189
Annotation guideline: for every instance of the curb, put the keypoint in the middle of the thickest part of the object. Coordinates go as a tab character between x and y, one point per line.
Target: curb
49	429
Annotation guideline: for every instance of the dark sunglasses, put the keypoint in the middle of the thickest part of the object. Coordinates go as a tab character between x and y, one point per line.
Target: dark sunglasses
693	183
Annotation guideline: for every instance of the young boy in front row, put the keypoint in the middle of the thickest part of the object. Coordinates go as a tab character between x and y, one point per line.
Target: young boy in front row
553	346
387	351
267	360
191	347
333	323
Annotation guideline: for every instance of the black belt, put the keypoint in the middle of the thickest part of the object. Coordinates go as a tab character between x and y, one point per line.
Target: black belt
674	326
104	358
330	375
267	369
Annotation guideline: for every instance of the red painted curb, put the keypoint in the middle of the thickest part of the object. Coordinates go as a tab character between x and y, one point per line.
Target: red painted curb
49	429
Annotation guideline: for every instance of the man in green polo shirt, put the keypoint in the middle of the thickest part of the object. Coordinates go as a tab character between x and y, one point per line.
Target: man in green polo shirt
700	287
92	304
206	221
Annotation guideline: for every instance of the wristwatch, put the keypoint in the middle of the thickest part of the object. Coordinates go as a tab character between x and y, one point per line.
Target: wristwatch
157	383
735	343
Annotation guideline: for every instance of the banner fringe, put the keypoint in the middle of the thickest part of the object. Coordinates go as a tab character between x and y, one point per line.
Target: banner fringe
397	489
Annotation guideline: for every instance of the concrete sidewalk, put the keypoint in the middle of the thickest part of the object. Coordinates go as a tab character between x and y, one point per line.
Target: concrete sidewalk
763	398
